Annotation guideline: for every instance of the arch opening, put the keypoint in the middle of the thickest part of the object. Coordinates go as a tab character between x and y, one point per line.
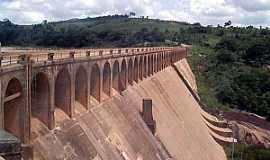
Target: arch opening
164	61
95	82
130	73
123	76
40	99
13	104
155	63
141	69
81	87
152	64
116	76
149	65
158	62
145	67
107	79
62	96
136	71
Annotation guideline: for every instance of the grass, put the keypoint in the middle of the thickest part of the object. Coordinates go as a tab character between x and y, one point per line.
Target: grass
207	94
246	152
213	40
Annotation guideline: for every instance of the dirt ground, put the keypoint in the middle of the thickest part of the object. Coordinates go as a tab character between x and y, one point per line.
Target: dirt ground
249	128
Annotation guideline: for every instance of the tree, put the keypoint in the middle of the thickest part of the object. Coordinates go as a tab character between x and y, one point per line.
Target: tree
228	23
132	14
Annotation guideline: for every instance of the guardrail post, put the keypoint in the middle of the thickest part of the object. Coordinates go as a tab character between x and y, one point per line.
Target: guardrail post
71	54
100	53
111	52
126	50
88	53
24	58
50	56
1	59
119	51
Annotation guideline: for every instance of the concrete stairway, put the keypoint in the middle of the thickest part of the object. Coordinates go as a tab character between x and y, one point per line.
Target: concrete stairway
218	129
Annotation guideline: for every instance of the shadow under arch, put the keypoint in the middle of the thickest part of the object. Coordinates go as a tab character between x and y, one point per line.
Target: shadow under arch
130	72
106	82
145	67
141	68
135	70
62	96
123	76
116	76
40	98
152	64
95	82
13	104
149	65
81	86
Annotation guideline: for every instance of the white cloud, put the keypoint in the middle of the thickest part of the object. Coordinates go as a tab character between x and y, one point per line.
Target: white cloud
251	5
240	12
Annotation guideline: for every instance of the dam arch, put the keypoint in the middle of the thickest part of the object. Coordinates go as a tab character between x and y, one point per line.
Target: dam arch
62	96
40	98
13	103
149	65
141	68
156	57
95	82
123	76
135	70
163	61
130	72
81	86
106	82
152	64
116	76
144	67
158	62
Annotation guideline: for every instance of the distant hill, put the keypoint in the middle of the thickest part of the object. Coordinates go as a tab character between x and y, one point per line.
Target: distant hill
107	31
120	23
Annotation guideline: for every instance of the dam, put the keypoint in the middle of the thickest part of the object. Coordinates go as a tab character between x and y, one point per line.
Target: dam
89	104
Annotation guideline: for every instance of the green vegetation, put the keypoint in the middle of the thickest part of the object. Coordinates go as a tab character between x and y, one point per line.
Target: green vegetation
207	93
231	64
108	31
245	152
232	69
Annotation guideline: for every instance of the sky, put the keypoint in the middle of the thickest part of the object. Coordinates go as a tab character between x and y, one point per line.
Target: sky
207	12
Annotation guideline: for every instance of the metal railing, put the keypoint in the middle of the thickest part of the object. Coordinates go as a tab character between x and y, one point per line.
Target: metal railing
15	57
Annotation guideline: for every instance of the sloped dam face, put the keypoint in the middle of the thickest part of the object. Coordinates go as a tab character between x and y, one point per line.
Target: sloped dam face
115	130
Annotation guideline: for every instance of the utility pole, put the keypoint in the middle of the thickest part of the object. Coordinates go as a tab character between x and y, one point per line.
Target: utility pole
233	149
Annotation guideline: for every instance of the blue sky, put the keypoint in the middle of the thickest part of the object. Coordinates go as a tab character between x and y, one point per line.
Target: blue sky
213	12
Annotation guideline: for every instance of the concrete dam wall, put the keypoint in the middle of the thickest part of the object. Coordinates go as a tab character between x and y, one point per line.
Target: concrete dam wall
115	130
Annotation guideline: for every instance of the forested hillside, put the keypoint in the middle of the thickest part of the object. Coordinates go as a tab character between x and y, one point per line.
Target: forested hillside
108	31
232	68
